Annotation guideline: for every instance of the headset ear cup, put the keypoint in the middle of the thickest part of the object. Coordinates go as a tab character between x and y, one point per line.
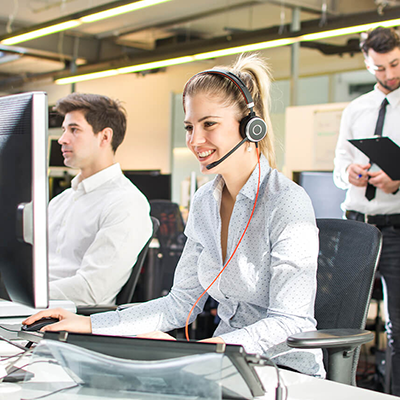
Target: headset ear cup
243	125
254	128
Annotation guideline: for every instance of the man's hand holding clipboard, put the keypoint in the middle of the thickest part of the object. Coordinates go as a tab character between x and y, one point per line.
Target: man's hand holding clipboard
385	154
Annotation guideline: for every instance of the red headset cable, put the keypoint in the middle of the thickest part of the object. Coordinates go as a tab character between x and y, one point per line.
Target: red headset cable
230	258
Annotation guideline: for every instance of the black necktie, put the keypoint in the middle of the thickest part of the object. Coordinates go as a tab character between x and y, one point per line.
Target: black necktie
371	189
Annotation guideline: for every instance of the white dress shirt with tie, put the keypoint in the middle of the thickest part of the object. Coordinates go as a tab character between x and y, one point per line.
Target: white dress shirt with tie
358	122
97	228
265	294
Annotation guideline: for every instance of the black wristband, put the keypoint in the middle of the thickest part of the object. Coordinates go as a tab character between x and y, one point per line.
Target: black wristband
396	191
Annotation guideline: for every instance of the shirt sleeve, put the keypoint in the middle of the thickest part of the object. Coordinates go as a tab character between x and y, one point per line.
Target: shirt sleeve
165	313
344	154
106	265
293	264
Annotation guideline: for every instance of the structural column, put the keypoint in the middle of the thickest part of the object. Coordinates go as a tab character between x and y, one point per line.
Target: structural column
294	60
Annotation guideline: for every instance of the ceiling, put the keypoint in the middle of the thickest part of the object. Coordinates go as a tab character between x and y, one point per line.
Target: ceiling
170	29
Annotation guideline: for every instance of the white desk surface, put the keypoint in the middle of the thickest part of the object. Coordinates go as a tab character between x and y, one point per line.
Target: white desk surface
300	387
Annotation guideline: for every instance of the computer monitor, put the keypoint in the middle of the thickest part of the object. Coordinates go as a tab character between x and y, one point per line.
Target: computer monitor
153	184
24	197
325	196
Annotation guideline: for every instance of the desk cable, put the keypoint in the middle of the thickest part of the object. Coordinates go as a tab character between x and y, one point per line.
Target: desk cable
23	348
258	360
37	362
25	353
53	392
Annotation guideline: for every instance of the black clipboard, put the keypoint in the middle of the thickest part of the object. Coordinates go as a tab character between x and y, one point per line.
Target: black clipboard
383	152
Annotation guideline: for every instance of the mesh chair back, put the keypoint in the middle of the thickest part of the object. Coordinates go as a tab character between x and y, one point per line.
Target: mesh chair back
126	294
348	256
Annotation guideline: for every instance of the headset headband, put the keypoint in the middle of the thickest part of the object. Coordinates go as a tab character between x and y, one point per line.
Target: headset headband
233	78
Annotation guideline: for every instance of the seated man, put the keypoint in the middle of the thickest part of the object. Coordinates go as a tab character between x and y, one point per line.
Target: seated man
98	227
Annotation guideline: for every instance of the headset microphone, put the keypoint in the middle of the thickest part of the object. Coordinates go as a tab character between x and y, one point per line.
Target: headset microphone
214	164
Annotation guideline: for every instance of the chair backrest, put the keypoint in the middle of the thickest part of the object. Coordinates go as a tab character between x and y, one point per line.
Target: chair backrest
170	235
348	256
126	293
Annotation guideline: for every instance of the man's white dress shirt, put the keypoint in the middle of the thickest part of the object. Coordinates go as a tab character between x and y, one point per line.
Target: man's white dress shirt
97	228
359	121
265	294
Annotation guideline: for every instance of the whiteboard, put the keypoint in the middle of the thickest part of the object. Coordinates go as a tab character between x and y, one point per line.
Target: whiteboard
326	133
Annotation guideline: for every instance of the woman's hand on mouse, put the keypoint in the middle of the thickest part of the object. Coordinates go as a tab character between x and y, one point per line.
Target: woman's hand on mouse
68	321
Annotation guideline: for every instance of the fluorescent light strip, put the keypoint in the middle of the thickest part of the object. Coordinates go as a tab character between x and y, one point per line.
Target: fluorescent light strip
121	10
41	32
348	31
154	65
227	52
87	77
175	61
125	70
244	49
79	21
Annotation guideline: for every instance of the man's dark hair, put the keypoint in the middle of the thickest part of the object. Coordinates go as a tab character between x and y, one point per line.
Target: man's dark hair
381	40
100	112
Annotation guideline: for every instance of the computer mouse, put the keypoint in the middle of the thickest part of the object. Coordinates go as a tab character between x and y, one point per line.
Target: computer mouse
37	325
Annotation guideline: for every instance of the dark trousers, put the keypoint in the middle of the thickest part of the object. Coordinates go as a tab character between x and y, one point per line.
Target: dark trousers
389	269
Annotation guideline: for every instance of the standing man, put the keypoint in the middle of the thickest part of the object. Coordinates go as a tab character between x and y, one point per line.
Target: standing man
98	227
371	195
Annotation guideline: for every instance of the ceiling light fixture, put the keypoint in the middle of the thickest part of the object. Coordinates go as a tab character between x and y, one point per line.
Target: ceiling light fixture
40	32
349	30
79	20
113	12
226	52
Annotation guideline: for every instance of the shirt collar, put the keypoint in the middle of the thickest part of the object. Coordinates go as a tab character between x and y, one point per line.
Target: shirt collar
96	180
393	97
249	189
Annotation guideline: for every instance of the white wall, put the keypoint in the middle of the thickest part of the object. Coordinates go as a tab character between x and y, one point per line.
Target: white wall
311	137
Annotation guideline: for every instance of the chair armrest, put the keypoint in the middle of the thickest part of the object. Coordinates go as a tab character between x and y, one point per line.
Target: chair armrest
328	338
94	310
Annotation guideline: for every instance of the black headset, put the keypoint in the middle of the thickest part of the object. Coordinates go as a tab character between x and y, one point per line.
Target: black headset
251	127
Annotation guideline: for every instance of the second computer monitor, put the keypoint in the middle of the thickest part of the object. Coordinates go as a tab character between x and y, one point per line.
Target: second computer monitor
23	197
325	196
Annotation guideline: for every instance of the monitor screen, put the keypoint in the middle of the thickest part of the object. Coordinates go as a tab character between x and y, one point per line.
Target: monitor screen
325	196
153	184
23	198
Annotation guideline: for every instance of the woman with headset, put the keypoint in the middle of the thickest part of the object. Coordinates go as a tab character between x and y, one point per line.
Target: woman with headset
252	242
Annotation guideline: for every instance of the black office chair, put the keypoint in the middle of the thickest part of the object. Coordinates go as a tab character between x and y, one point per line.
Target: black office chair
125	295
170	234
348	256
172	241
